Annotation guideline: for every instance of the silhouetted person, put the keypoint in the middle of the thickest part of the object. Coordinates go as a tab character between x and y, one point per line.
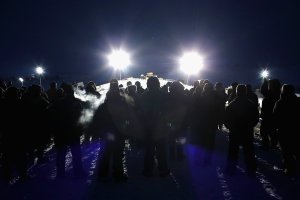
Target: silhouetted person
268	130
134	126
128	83
36	118
132	90
155	141
139	88
110	121
286	119
232	94
264	87
122	89
65	114
193	115
13	138
52	92
63	85
195	85
91	89
202	82
165	88
241	116
251	95
176	117
207	118
221	98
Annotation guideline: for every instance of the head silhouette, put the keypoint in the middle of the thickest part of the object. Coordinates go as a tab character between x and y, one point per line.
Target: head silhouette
153	83
288	90
241	90
68	90
138	84
249	88
36	90
274	85
176	88
196	84
208	88
114	87
128	83
132	89
114	80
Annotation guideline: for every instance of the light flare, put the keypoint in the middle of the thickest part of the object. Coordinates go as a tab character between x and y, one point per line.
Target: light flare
264	73
119	59
191	63
39	70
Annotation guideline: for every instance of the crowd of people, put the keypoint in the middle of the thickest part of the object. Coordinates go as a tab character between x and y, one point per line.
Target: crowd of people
156	119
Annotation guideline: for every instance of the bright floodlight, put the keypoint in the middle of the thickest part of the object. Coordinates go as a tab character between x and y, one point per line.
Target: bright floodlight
191	63
21	79
264	73
39	70
119	59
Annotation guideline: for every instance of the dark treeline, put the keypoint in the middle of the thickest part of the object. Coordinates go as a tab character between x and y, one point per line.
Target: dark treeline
159	120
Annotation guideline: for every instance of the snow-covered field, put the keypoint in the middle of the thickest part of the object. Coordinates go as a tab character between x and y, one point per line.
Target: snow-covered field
189	180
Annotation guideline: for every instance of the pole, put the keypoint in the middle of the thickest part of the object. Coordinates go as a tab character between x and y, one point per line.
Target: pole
187	79
120	73
40	80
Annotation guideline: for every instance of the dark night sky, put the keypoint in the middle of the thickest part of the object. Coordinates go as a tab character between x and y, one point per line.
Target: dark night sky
237	38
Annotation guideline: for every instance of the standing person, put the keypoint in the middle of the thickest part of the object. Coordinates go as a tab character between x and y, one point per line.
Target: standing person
193	89
176	113
52	92
286	118
268	130
251	95
241	116
155	141
134	128
208	118
232	94
91	89
264	87
65	114
13	139
110	120
139	88
221	98
36	117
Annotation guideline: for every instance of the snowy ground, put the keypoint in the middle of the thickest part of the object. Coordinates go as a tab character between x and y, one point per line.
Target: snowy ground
189	179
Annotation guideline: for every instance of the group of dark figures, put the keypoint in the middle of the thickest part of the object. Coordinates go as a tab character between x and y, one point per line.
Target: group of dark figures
154	119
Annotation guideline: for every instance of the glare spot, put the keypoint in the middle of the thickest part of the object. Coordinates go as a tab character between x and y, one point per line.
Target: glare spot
264	73
39	70
119	59
191	63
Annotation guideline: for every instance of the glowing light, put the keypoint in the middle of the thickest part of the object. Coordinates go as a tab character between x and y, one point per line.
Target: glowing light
119	59
191	63
39	70
264	73
21	79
